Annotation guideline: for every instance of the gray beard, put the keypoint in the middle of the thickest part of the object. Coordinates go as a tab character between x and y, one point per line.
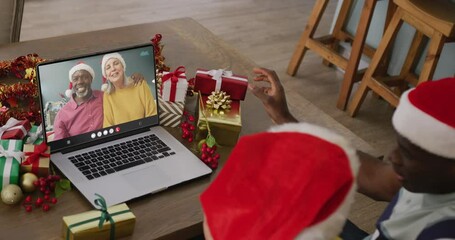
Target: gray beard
81	95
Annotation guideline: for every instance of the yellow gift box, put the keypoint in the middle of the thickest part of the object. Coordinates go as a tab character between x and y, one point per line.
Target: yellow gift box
36	160
86	225
225	126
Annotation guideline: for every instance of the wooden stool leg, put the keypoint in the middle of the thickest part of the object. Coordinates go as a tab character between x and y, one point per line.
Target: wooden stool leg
431	60
406	74
338	28
385	43
310	28
356	53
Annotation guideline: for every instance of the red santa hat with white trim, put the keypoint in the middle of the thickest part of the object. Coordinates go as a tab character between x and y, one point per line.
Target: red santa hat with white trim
75	68
295	181
104	60
426	117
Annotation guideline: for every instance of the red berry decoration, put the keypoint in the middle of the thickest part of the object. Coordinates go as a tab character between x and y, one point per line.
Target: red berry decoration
38	202
209	155
46	207
188	127
28	208
28	199
46	186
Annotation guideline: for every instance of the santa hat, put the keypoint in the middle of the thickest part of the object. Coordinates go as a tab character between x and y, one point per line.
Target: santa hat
103	63
77	67
426	117
295	181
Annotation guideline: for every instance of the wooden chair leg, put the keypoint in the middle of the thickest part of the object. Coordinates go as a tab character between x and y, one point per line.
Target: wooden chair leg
414	50
431	60
310	28
338	28
385	43
356	53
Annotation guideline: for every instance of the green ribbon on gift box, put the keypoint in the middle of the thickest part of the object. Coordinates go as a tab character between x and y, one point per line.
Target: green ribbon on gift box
10	157
105	216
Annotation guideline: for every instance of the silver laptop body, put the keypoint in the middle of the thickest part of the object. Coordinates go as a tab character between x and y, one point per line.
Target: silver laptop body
125	184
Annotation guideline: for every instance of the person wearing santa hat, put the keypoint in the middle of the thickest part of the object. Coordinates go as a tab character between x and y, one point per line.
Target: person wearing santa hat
124	100
84	110
418	177
297	182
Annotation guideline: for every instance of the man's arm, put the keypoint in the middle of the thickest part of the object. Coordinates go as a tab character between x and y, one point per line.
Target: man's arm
272	96
376	178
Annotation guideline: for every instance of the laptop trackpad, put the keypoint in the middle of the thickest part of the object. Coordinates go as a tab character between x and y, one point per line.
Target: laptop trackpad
148	179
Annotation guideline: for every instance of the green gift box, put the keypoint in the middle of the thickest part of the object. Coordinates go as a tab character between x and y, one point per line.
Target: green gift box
35	135
10	159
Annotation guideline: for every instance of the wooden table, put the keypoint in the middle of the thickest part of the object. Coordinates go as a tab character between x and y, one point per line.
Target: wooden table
171	214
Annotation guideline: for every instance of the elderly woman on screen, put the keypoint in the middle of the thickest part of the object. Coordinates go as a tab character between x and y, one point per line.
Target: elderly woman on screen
123	100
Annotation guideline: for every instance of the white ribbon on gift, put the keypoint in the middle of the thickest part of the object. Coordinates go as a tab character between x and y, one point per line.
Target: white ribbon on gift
10	154
11	125
218	74
33	136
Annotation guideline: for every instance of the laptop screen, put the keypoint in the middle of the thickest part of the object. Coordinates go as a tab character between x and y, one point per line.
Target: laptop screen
96	97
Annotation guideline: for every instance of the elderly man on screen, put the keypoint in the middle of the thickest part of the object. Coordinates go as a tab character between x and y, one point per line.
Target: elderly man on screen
84	111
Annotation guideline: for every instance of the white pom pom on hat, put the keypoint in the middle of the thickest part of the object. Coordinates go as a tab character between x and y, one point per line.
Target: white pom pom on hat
426	116
75	68
103	63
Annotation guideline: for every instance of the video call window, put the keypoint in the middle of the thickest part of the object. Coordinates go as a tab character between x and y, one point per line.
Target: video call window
98	94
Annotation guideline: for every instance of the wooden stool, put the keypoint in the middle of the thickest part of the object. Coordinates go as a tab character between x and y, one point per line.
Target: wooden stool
434	19
326	46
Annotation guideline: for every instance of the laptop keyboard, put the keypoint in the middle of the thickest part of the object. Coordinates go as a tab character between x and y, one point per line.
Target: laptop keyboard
121	156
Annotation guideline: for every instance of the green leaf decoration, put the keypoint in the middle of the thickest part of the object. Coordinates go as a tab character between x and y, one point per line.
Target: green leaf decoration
210	140
64	185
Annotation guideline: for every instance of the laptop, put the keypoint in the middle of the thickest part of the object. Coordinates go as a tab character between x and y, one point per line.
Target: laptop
106	144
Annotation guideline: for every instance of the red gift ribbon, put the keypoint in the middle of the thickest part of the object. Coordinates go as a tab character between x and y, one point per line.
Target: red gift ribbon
33	159
174	77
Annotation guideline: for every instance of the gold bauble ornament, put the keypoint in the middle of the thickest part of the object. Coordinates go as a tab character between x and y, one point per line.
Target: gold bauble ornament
11	194
27	182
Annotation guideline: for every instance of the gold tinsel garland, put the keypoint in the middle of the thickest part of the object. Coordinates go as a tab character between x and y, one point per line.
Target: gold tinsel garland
20	100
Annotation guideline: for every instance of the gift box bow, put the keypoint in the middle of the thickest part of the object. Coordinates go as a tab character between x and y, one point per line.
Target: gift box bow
218	74
10	153
104	217
174	78
12	124
38	151
33	135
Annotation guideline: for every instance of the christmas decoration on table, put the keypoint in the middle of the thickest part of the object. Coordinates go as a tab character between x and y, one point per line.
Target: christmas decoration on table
105	223
35	135
11	194
10	158
37	159
20	100
225	124
207	146
219	102
27	182
172	96
15	129
188	127
174	85
159	58
46	185
207	81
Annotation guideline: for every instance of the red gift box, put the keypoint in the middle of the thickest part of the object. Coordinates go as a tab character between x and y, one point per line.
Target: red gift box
15	129
208	81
